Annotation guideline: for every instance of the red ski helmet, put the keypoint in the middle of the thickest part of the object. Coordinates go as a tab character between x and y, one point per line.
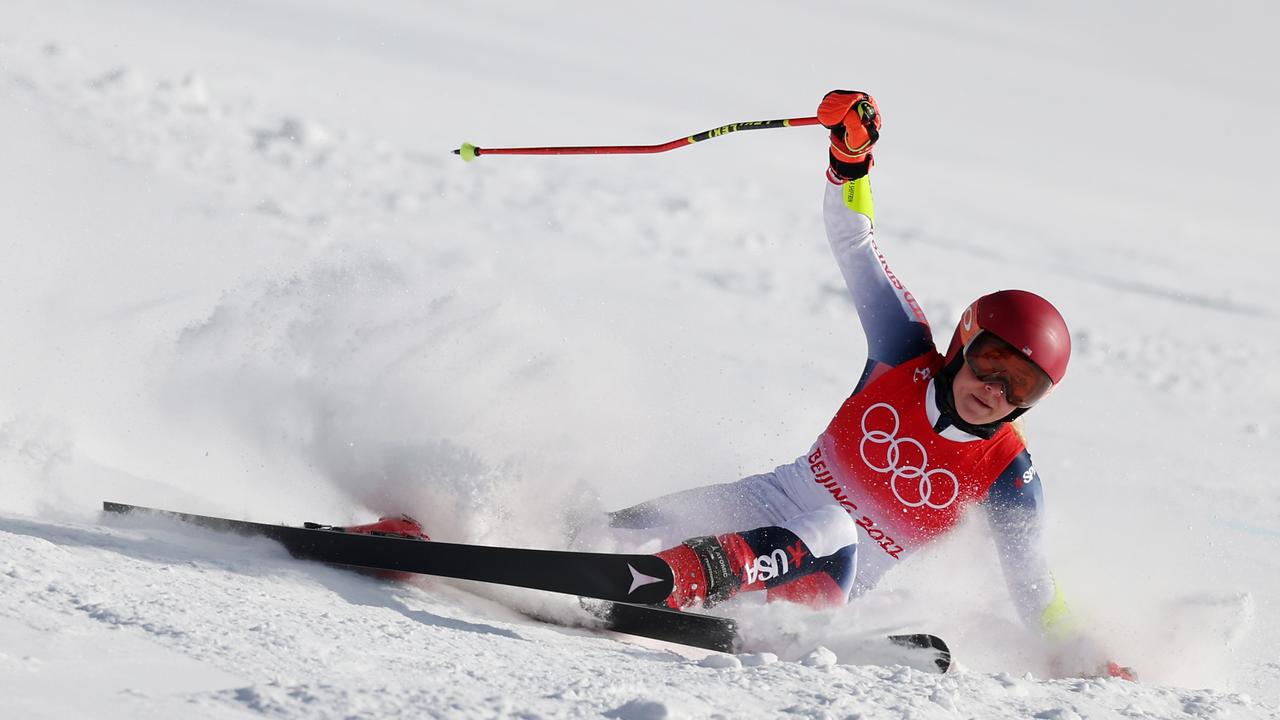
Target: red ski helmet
1026	321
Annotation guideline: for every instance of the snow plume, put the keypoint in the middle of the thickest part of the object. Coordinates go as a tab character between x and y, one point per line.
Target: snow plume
359	369
33	451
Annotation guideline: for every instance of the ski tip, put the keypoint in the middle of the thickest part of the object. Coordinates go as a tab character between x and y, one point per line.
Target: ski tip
931	643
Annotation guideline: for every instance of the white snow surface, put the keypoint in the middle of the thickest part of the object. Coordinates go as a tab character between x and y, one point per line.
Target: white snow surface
241	274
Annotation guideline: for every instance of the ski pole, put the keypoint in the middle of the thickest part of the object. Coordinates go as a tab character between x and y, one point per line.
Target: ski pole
470	152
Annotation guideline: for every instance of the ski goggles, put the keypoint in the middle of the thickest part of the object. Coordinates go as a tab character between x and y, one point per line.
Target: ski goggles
995	361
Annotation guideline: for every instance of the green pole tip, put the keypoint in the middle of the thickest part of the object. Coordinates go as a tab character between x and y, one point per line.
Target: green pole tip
468	152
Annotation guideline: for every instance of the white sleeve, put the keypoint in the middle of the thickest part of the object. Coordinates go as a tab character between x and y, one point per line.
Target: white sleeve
894	324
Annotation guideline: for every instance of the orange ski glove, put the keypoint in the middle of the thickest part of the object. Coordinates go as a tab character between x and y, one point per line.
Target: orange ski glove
854	120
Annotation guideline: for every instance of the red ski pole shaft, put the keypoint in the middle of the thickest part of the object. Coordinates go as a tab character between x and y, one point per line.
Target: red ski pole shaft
470	152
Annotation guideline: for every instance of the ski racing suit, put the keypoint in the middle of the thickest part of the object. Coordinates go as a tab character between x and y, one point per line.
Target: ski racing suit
891	473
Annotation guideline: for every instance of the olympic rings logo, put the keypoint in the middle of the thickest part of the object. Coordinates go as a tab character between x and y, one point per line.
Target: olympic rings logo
904	469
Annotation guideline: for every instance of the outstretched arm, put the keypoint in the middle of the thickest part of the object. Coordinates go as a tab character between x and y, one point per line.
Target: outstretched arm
1015	512
894	324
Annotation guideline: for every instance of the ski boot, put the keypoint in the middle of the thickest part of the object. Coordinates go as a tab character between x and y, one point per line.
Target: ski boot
396	527
711	569
402	527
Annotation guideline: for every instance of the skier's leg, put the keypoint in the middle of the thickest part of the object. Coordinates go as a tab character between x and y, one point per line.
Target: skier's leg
754	501
710	506
815	551
828	585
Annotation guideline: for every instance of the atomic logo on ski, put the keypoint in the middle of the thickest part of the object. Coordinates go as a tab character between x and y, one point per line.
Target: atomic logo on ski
639	579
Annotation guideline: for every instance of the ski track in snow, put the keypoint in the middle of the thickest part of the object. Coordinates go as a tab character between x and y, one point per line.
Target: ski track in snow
355	326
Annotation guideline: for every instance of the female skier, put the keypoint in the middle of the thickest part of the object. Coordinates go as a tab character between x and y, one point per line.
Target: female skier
924	437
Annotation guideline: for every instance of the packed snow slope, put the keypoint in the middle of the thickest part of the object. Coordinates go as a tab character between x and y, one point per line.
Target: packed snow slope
242	275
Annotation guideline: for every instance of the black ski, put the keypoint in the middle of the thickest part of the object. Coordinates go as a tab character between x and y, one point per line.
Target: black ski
923	651
685	628
622	578
628	585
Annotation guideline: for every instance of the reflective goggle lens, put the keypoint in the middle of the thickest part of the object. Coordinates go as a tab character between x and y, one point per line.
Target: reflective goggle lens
995	361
